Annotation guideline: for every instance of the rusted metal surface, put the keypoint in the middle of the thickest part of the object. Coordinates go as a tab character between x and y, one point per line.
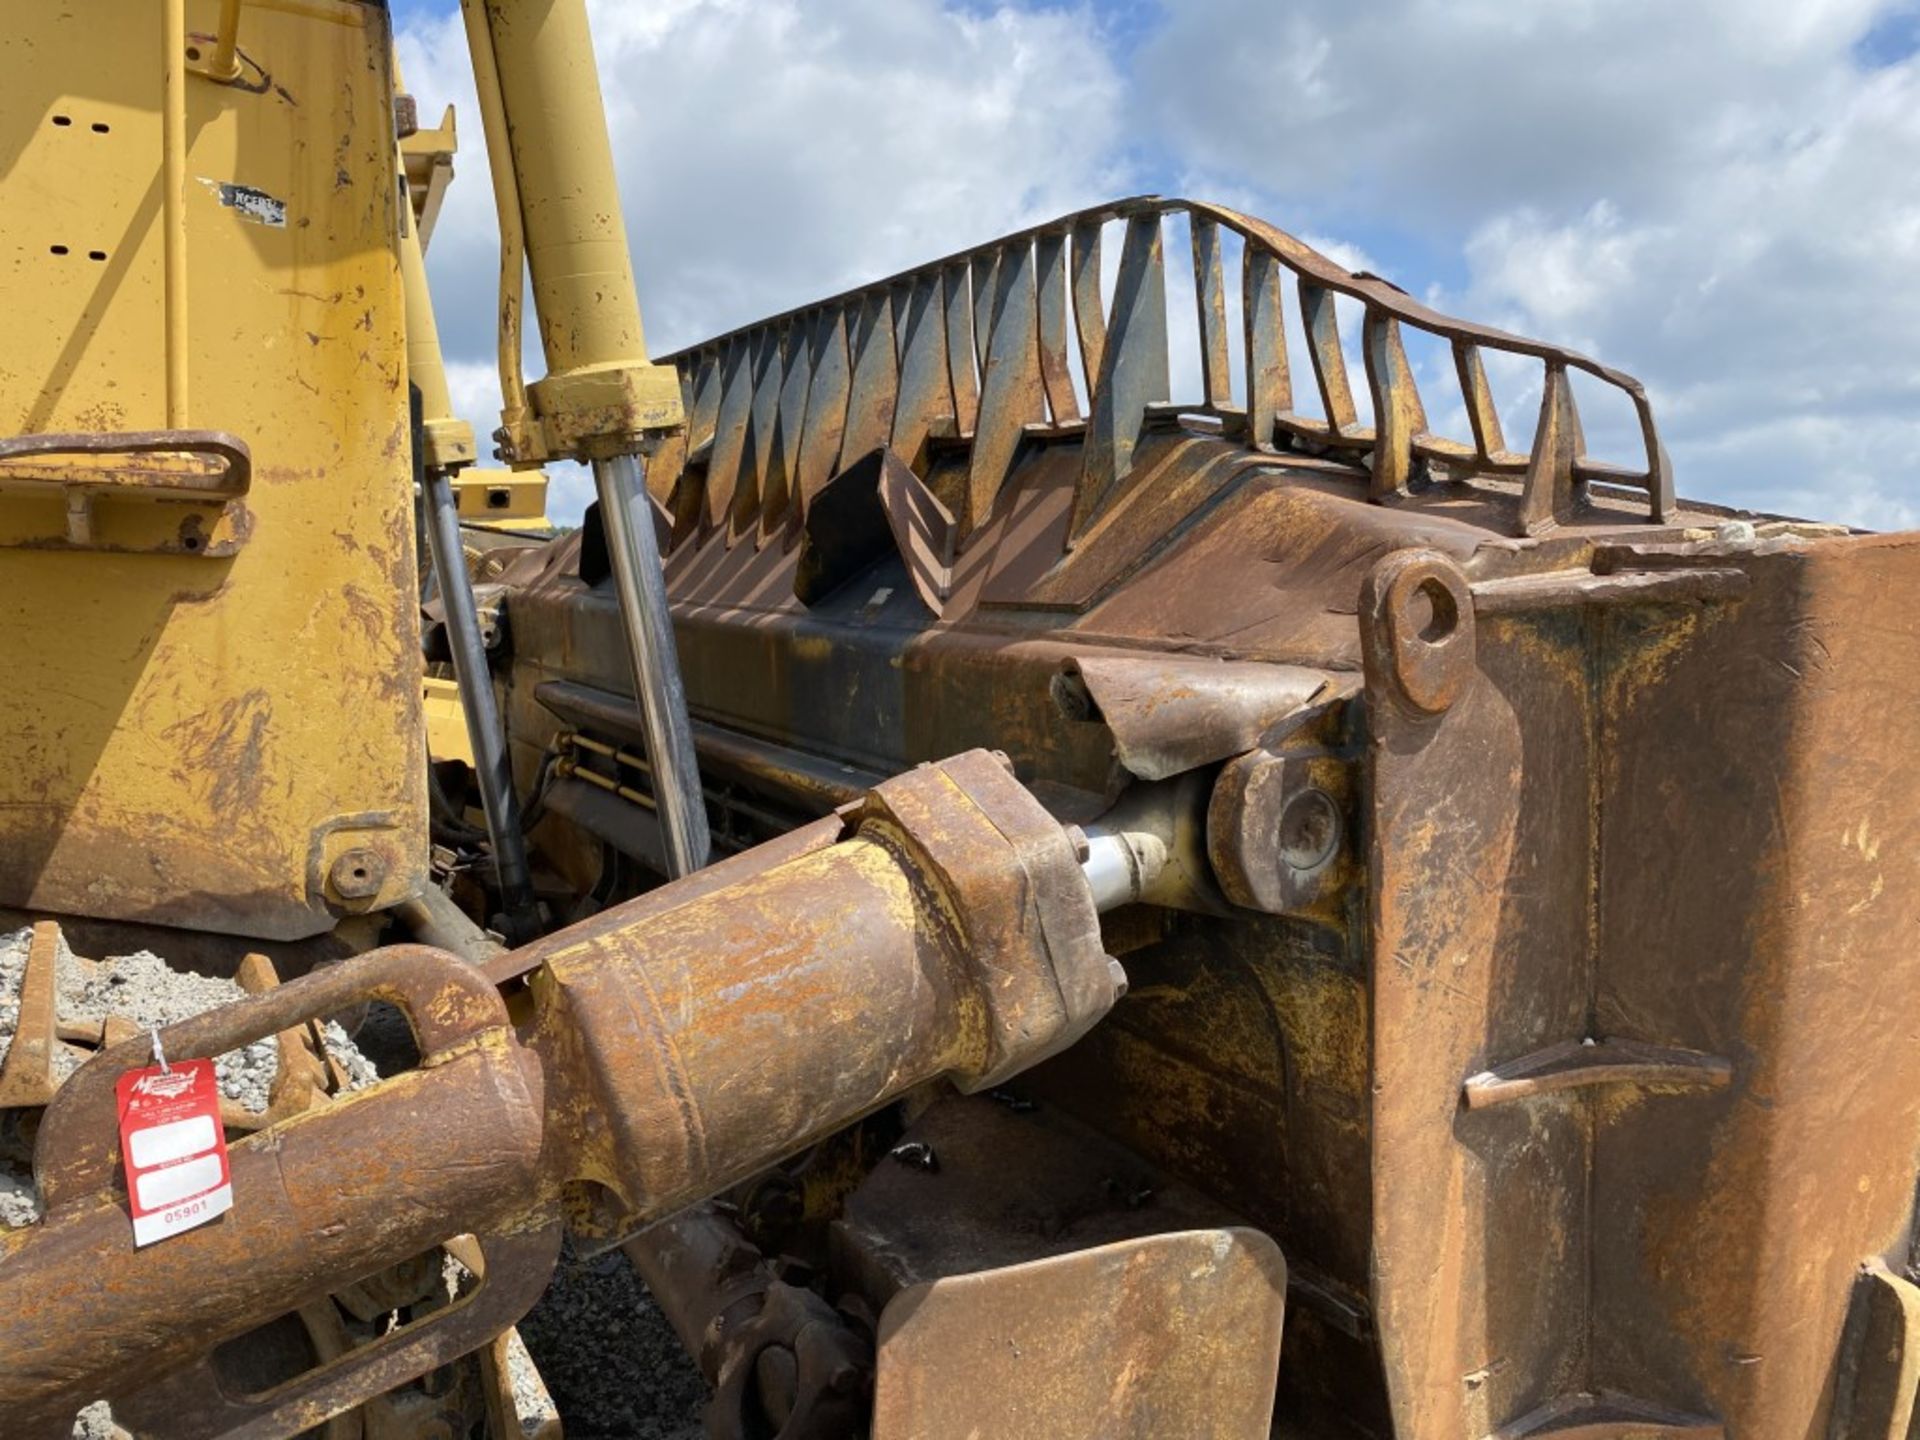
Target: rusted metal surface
1171	714
144	457
1526	955
1535	1076
874	506
304	1074
1577	1064
778	1356
694	1063
942	928
176	492
1171	1335
192	1402
516	1398
450	1399
1003	1180
1660	1096
460	1139
698	1267
30	1075
1879	1375
794	1333
1546	592
1278	836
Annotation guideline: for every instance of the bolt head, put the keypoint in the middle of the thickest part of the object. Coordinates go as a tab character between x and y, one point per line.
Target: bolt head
358	874
1274	832
1309	829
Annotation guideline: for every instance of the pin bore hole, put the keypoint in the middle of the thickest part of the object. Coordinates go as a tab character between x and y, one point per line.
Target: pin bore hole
1432	613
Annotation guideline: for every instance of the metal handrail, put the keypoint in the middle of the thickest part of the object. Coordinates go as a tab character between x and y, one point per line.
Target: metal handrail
976	345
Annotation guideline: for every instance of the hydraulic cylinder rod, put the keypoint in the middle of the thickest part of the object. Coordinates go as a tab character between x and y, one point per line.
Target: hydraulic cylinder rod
634	553
484	730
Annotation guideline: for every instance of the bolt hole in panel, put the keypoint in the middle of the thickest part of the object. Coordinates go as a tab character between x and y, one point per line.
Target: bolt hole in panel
165	673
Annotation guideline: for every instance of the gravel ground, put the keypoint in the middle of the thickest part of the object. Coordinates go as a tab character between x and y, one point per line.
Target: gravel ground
141	987
613	1364
13	971
17	1205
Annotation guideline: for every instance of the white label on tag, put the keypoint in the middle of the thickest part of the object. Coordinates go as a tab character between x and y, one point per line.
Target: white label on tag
161	1188
159	1224
166	1143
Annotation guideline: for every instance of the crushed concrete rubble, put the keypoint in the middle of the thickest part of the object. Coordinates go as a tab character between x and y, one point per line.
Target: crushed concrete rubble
141	988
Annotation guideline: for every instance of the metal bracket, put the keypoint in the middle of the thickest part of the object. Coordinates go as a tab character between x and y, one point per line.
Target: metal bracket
166	492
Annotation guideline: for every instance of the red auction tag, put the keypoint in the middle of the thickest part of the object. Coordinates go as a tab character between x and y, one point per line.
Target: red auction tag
173	1147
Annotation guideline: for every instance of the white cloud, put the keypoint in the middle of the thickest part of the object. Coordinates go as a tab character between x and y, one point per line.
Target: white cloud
1561	276
1447	110
474	388
772	152
1716	196
1772	307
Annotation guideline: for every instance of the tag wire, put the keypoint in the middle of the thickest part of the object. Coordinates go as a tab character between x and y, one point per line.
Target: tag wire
159	1055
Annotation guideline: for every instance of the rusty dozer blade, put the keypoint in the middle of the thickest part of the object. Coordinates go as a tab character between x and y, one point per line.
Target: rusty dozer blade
941	928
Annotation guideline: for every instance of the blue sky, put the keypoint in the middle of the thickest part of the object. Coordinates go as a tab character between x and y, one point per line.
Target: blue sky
1720	196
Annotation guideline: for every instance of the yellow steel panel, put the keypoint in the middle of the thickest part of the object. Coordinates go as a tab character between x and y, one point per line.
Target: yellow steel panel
503	499
192	739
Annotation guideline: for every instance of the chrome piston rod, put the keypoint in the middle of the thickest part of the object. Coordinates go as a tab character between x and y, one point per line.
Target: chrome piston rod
634	554
494	770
